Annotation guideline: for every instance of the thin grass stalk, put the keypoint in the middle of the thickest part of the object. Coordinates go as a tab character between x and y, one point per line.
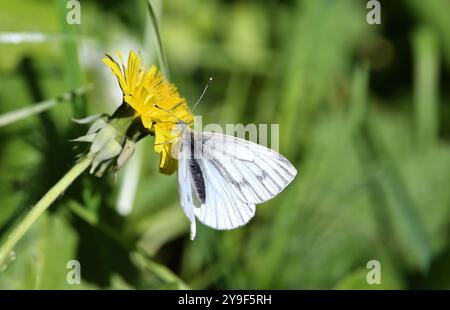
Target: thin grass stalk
159	46
20	114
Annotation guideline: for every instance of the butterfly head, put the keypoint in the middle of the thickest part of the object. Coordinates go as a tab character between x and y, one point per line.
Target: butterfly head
181	127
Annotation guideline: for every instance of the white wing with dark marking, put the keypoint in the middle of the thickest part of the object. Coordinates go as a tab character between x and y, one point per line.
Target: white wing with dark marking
230	177
254	172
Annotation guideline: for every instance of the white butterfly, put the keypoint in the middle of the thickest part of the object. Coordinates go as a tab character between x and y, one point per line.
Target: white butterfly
221	178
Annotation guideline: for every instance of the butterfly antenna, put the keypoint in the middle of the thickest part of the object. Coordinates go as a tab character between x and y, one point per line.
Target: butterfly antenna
203	93
167	111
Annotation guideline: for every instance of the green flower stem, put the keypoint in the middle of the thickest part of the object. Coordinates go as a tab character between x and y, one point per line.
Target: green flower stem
41	206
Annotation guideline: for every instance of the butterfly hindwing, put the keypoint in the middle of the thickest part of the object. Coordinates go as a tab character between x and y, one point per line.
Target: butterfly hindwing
185	188
222	209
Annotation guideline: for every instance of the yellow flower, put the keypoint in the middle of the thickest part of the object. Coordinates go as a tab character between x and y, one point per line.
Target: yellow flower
155	100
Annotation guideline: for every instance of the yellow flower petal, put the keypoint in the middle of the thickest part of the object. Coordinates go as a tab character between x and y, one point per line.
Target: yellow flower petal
164	138
115	68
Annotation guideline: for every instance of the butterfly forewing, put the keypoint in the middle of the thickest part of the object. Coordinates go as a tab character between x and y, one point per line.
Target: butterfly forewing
255	172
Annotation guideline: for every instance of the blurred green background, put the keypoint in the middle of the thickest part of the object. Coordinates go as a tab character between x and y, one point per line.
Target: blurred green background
364	114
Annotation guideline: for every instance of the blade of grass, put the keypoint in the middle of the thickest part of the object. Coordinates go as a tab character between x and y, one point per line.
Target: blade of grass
408	226
358	108
74	75
160	270
31	37
398	221
164	226
18	115
159	46
435	14
426	85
